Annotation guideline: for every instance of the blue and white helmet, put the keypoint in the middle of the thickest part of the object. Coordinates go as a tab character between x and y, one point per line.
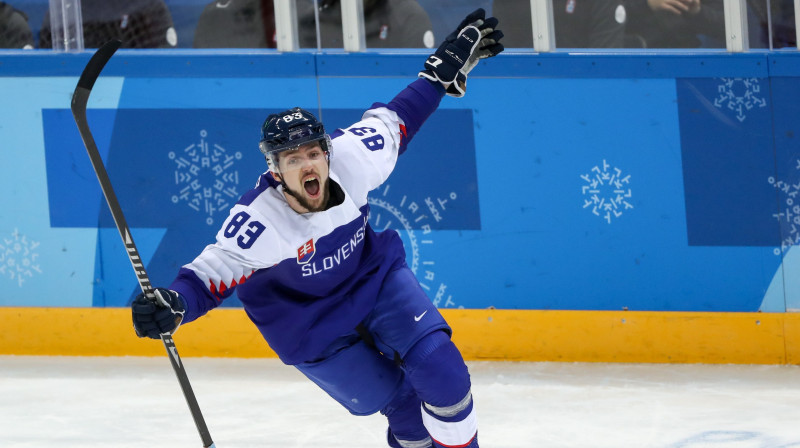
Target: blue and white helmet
287	131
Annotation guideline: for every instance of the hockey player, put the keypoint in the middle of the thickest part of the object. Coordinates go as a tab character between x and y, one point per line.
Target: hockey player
331	296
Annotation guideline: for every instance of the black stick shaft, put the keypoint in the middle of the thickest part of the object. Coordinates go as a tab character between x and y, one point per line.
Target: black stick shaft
80	98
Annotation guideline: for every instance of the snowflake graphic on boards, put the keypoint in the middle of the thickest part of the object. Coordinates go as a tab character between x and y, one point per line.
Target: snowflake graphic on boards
18	258
789	216
606	191
739	95
206	177
417	238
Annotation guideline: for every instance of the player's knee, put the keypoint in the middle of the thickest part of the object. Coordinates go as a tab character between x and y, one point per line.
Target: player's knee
437	370
438	373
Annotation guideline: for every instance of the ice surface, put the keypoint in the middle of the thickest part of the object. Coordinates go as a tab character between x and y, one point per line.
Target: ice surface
136	402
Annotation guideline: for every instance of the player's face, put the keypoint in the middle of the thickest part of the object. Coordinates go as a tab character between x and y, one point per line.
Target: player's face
305	173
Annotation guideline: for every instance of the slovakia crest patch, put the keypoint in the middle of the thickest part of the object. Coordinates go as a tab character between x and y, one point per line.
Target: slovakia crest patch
305	252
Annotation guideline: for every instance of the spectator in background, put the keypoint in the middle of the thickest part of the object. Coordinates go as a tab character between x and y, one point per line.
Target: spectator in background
137	23
387	24
780	14
15	32
676	23
578	23
236	24
251	24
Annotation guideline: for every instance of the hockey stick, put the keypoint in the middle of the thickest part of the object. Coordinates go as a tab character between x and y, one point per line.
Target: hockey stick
79	100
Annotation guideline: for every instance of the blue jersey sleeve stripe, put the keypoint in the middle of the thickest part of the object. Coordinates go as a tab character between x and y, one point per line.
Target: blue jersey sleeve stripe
414	105
266	181
199	300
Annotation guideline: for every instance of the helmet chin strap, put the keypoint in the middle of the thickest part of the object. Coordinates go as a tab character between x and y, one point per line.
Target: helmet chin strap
291	193
285	187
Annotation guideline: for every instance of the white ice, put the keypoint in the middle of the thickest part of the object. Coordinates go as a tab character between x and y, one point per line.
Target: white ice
136	402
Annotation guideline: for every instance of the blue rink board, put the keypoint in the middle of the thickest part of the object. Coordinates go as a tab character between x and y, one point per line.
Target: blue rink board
598	182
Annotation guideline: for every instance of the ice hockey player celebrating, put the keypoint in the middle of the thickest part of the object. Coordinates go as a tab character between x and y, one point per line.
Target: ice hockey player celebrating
331	296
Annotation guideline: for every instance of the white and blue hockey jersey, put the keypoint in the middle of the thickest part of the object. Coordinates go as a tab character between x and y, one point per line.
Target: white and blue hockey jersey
305	279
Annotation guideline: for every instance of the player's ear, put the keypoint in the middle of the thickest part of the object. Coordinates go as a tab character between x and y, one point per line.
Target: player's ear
276	176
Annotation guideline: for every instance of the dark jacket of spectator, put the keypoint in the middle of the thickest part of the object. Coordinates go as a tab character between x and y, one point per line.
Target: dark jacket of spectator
15	31
578	23
137	23
251	24
664	29
780	16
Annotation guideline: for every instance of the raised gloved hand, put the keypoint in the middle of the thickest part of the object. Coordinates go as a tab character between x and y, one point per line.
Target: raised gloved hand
475	38
151	319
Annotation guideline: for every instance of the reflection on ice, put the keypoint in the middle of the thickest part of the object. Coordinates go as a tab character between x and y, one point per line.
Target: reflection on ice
134	402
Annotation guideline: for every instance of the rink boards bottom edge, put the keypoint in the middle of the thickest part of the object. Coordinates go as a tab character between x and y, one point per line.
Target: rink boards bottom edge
481	334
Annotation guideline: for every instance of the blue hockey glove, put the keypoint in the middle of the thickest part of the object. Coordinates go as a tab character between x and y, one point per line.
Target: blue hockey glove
475	38
151	319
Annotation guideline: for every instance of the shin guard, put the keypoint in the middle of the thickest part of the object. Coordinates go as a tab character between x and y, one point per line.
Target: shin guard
406	429
452	426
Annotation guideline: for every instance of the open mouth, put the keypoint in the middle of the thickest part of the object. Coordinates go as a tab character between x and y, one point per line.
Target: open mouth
311	185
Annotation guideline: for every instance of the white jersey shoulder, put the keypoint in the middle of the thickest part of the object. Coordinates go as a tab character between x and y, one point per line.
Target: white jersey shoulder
246	242
366	153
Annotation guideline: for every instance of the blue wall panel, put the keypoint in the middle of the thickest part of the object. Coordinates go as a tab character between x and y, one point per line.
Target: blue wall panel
564	181
727	150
